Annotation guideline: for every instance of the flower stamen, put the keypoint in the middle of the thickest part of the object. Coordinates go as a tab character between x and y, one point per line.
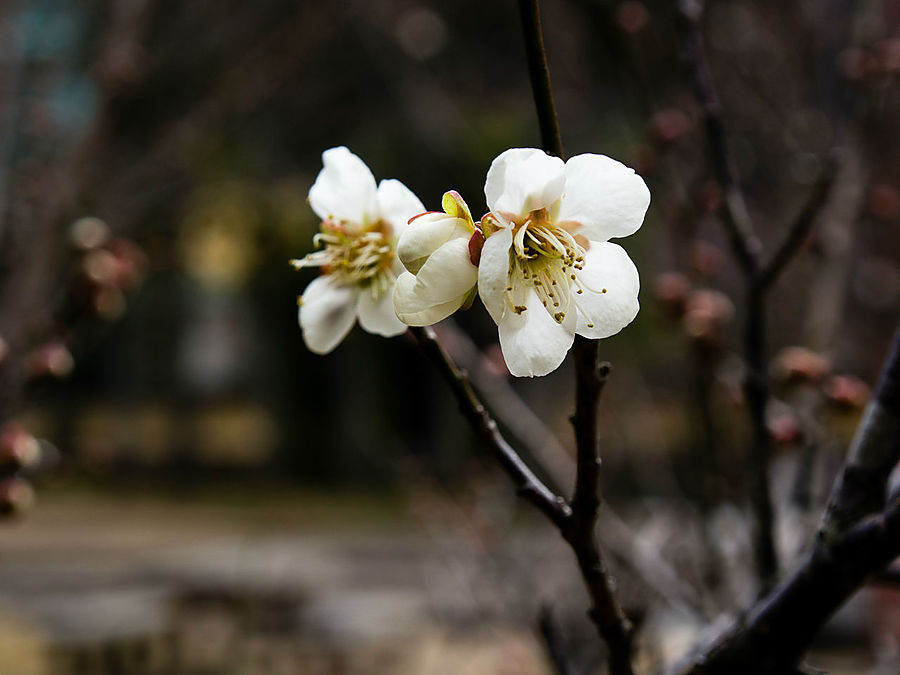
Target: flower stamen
353	255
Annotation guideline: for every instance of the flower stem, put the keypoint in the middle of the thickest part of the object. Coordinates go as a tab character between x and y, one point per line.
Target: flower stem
579	530
540	77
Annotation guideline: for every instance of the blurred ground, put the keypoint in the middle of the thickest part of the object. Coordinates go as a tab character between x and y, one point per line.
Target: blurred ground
268	582
297	584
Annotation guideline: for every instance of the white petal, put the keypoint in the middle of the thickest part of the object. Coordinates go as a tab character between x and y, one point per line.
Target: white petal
344	189
606	197
521	180
425	235
413	310
376	313
326	314
493	272
397	204
532	343
607	266
448	272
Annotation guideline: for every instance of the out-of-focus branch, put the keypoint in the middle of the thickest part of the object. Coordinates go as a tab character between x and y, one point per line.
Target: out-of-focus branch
580	529
744	242
746	249
516	415
530	487
758	278
859	537
549	631
799	229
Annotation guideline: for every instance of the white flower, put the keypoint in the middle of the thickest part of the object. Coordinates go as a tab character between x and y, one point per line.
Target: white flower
360	226
547	270
439	250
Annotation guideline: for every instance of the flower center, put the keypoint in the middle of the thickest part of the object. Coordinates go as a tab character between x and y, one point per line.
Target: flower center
544	257
353	255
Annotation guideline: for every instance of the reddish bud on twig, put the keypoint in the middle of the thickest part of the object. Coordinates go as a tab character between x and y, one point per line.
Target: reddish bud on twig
706	312
53	359
632	16
799	364
708	197
669	125
88	233
784	429
706	259
18	448
846	391
16	496
671	289
883	201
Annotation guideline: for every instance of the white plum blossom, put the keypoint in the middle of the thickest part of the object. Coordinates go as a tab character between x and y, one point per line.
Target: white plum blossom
440	252
358	261
547	270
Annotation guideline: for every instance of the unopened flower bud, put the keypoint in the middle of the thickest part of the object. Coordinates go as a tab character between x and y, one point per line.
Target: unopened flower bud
847	392
784	429
706	312
18	448
53	359
799	364
671	290
16	496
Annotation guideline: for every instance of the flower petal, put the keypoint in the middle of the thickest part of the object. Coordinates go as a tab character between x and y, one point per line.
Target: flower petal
397	204
608	268
522	180
448	273
344	189
376	313
327	313
425	234
413	310
532	343
606	197
493	272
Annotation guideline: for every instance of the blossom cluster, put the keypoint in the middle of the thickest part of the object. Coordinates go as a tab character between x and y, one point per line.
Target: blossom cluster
540	259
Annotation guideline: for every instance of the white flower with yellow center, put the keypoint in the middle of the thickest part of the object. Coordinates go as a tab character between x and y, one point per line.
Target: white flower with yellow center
358	261
547	270
440	252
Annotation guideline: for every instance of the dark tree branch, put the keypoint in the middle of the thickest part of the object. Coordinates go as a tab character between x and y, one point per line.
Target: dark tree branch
580	529
862	484
776	632
756	392
529	486
540	76
859	537
581	532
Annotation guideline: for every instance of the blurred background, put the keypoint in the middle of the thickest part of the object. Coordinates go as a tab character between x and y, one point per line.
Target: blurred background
211	497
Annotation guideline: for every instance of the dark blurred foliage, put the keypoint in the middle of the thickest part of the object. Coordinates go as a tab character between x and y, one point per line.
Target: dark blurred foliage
194	129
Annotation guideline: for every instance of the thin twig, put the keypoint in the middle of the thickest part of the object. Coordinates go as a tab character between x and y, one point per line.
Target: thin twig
529	486
552	639
746	248
744	242
799	230
607	613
